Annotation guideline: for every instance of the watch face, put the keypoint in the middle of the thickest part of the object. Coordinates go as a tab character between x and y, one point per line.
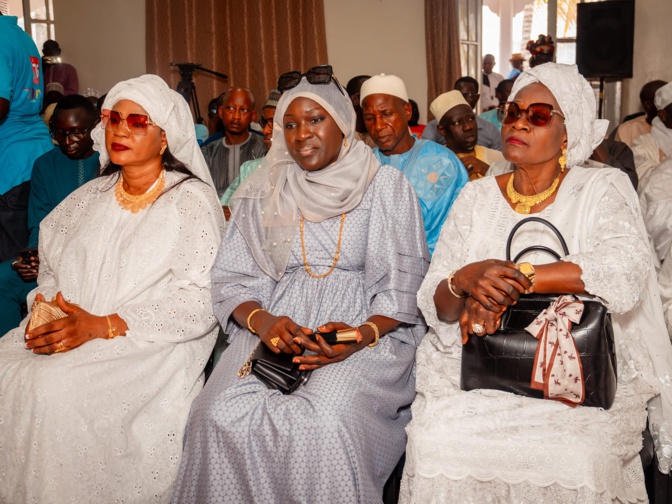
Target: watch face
526	269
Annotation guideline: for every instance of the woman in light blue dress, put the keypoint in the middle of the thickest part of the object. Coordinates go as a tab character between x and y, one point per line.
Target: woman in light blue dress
322	237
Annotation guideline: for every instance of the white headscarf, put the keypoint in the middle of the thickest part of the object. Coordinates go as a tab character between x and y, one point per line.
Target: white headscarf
267	205
577	102
169	110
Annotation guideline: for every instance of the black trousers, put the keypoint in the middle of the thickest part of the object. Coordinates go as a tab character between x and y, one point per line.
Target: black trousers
14	221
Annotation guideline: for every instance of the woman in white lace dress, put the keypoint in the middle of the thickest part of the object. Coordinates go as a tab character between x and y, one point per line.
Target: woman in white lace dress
492	446
93	406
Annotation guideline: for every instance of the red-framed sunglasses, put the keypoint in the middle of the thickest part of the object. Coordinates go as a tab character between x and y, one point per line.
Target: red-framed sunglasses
537	114
137	124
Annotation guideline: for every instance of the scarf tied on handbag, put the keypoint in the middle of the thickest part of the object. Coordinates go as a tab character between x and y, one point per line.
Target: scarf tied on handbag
557	363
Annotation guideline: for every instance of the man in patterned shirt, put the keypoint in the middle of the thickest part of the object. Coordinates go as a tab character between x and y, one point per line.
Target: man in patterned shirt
435	172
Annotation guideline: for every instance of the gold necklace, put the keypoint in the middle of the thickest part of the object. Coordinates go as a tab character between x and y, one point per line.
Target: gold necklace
135	203
338	250
526	202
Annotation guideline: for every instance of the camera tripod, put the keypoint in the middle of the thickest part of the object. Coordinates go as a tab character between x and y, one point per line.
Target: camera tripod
187	88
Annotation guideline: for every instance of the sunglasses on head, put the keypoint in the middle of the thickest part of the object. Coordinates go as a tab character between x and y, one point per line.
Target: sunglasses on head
537	114
322	74
137	124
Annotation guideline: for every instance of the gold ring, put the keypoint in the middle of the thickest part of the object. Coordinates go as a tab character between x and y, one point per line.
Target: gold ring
60	347
274	341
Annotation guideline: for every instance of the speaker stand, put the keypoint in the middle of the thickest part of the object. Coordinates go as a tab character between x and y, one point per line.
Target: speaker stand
601	103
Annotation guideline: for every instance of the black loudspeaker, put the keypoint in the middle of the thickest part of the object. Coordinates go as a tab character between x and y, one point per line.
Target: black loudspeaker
605	38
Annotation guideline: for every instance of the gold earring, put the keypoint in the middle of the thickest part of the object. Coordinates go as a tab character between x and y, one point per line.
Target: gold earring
163	149
345	142
563	160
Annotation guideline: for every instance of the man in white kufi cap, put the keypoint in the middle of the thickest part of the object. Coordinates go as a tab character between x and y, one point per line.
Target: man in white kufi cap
435	172
457	124
650	150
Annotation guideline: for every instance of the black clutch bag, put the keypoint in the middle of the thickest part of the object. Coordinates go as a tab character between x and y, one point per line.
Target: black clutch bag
276	371
505	360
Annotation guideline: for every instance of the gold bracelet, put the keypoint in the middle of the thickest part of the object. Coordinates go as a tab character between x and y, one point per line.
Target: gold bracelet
249	319
450	285
376	333
110	330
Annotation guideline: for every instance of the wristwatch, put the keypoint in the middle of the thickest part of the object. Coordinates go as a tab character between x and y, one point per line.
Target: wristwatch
528	270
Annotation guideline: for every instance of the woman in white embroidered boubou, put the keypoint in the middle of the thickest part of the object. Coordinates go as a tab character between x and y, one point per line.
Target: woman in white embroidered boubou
93	405
492	446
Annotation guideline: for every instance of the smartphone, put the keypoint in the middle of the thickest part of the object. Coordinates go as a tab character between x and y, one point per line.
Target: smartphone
27	254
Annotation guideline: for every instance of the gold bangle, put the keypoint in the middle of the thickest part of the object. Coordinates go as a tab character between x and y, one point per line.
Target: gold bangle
450	285
249	319
110	330
376	333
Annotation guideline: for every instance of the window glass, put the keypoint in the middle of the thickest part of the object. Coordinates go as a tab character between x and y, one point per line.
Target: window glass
38	9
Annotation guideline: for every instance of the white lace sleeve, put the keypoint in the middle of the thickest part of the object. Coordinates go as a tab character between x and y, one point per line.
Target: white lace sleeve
450	252
617	260
184	312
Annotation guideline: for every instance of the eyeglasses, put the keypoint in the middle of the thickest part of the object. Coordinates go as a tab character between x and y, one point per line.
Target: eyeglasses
322	74
537	114
136	123
74	136
263	121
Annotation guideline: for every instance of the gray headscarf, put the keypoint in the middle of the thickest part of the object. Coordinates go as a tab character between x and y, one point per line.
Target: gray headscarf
266	207
577	102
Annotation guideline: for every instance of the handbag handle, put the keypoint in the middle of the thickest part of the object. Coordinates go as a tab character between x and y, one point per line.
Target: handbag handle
539	248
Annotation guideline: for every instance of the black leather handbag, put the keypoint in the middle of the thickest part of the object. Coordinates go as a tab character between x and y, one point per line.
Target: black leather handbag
505	359
276	371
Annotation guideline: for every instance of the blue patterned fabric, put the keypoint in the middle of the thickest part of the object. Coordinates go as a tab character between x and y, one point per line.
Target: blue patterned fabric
337	438
437	176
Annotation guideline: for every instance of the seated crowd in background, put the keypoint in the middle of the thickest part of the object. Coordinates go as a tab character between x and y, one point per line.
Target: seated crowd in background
341	218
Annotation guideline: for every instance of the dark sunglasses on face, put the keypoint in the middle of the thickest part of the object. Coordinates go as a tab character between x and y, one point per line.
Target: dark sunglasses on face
137	124
74	136
322	74
537	114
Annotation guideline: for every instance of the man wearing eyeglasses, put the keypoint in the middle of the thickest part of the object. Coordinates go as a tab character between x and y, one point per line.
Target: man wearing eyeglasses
457	125
434	171
488	134
224	157
55	175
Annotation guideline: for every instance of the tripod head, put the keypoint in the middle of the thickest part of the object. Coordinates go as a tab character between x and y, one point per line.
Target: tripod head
186	86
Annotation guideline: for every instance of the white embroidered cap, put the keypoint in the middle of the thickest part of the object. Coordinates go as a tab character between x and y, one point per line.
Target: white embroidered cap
384	84
443	103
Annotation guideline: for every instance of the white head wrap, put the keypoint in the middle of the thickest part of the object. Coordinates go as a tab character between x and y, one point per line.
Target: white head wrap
663	96
267	205
577	102
446	101
384	84
169	110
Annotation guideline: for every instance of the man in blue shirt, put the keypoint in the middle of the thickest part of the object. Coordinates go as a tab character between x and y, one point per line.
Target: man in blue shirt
435	172
23	135
55	175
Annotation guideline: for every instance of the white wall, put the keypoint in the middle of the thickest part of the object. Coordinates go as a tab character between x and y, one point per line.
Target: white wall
651	52
103	39
379	36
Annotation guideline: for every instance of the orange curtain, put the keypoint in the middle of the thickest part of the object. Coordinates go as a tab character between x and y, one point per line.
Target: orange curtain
442	42
252	41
